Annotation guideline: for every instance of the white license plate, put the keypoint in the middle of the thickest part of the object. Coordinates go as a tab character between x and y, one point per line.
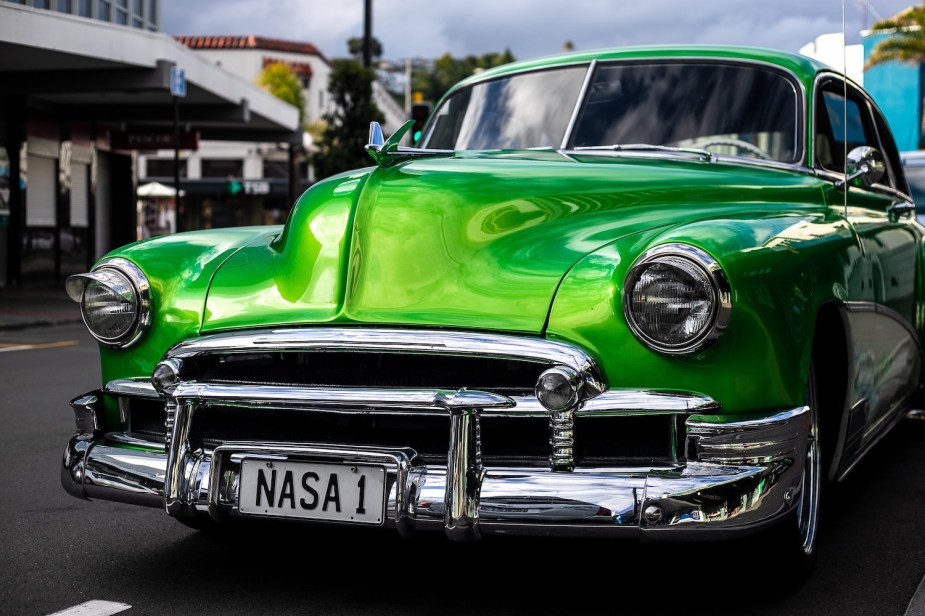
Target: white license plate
342	492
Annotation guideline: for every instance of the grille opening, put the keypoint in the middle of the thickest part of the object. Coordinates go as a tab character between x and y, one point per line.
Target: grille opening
628	440
505	441
146	416
365	369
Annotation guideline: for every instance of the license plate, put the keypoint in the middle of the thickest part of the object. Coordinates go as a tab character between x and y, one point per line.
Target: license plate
310	490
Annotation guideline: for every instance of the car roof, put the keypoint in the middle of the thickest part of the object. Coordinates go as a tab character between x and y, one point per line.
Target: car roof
803	67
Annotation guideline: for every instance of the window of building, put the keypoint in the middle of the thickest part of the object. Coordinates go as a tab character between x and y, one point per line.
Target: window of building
275	168
83	8
63	6
40	4
104	10
163	168
122	12
222	168
152	12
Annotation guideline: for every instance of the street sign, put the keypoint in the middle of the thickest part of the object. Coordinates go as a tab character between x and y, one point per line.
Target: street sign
177	81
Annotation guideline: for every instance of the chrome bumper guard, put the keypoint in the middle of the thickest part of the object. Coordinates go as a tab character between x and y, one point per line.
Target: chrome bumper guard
737	476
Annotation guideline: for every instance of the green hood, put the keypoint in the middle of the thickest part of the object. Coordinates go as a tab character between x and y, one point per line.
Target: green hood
476	240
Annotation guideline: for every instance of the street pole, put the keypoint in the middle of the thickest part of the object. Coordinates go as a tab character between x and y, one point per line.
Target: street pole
176	162
368	34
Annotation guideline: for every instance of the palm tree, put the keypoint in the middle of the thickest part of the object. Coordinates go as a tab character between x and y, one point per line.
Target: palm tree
907	42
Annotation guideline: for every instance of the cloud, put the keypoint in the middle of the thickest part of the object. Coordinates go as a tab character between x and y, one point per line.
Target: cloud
530	28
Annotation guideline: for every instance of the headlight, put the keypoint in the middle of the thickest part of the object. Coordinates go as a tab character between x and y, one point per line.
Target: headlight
676	299
114	301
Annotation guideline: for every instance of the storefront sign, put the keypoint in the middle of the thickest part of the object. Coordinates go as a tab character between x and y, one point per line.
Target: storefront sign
152	140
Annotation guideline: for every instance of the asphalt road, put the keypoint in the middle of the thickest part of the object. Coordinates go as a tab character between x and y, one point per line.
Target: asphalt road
57	551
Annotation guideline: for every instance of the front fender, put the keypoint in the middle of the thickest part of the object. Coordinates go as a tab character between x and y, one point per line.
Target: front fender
781	270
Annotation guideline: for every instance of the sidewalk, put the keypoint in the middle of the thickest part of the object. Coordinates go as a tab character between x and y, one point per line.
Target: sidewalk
36	306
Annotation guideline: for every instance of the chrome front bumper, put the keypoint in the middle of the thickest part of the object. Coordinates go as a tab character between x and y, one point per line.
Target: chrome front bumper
737	476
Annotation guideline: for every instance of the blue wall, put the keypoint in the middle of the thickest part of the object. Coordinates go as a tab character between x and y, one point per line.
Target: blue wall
897	89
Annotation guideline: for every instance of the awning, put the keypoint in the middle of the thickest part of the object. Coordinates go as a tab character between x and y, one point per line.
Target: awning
83	70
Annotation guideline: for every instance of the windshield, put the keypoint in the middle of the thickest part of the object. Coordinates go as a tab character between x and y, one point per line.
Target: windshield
737	110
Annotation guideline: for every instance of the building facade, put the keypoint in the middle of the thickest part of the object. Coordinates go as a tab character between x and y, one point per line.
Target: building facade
81	91
238	183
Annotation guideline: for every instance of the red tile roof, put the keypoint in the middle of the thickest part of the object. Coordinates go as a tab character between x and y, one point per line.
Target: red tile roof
249	41
302	69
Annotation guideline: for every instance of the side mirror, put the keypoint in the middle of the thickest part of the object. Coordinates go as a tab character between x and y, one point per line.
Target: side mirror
864	163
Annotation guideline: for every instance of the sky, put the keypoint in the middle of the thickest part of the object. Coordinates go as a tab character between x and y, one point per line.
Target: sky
529	28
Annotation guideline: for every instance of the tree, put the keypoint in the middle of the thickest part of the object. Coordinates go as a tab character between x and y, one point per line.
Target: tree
355	47
344	138
447	71
906	43
279	81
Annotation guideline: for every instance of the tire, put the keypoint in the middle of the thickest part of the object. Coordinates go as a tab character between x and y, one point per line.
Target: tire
793	543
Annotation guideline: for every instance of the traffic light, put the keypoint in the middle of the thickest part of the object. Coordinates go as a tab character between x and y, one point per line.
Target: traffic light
419	113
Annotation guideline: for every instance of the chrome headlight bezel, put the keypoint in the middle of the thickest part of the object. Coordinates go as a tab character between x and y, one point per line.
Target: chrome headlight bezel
721	297
141	291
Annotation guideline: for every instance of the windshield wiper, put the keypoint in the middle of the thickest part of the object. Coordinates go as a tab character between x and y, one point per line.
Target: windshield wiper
647	147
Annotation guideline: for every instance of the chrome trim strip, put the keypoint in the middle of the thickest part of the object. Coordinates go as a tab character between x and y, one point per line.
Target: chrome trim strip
722	304
85	418
754	441
438	342
567	136
628	402
138	388
179	488
136	440
465	474
346	399
77	283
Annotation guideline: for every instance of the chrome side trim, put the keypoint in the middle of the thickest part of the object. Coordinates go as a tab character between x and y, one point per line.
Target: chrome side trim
344	399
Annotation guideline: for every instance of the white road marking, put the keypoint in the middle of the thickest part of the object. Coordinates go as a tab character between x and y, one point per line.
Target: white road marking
4	348
916	606
94	608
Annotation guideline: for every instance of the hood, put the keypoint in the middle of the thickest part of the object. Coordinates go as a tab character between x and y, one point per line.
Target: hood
471	241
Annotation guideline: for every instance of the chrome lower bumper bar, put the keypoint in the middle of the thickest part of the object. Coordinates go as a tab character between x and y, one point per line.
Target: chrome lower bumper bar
747	475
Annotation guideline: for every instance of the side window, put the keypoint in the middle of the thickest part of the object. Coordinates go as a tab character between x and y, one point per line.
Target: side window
837	121
894	166
844	125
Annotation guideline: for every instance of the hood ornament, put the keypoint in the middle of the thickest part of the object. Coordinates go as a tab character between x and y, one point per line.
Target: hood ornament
387	152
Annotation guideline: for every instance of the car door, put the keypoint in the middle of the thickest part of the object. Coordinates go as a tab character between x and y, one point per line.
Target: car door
881	306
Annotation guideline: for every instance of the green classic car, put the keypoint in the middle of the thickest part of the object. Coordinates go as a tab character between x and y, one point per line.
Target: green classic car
667	293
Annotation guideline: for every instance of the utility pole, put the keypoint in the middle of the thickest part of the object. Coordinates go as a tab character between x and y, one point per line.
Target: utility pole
368	34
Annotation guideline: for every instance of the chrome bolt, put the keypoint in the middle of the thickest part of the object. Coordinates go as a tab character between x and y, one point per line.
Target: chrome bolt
653	514
788	496
269	465
353	469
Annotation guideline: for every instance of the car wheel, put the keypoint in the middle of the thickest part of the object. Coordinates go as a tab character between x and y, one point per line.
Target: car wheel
793	542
